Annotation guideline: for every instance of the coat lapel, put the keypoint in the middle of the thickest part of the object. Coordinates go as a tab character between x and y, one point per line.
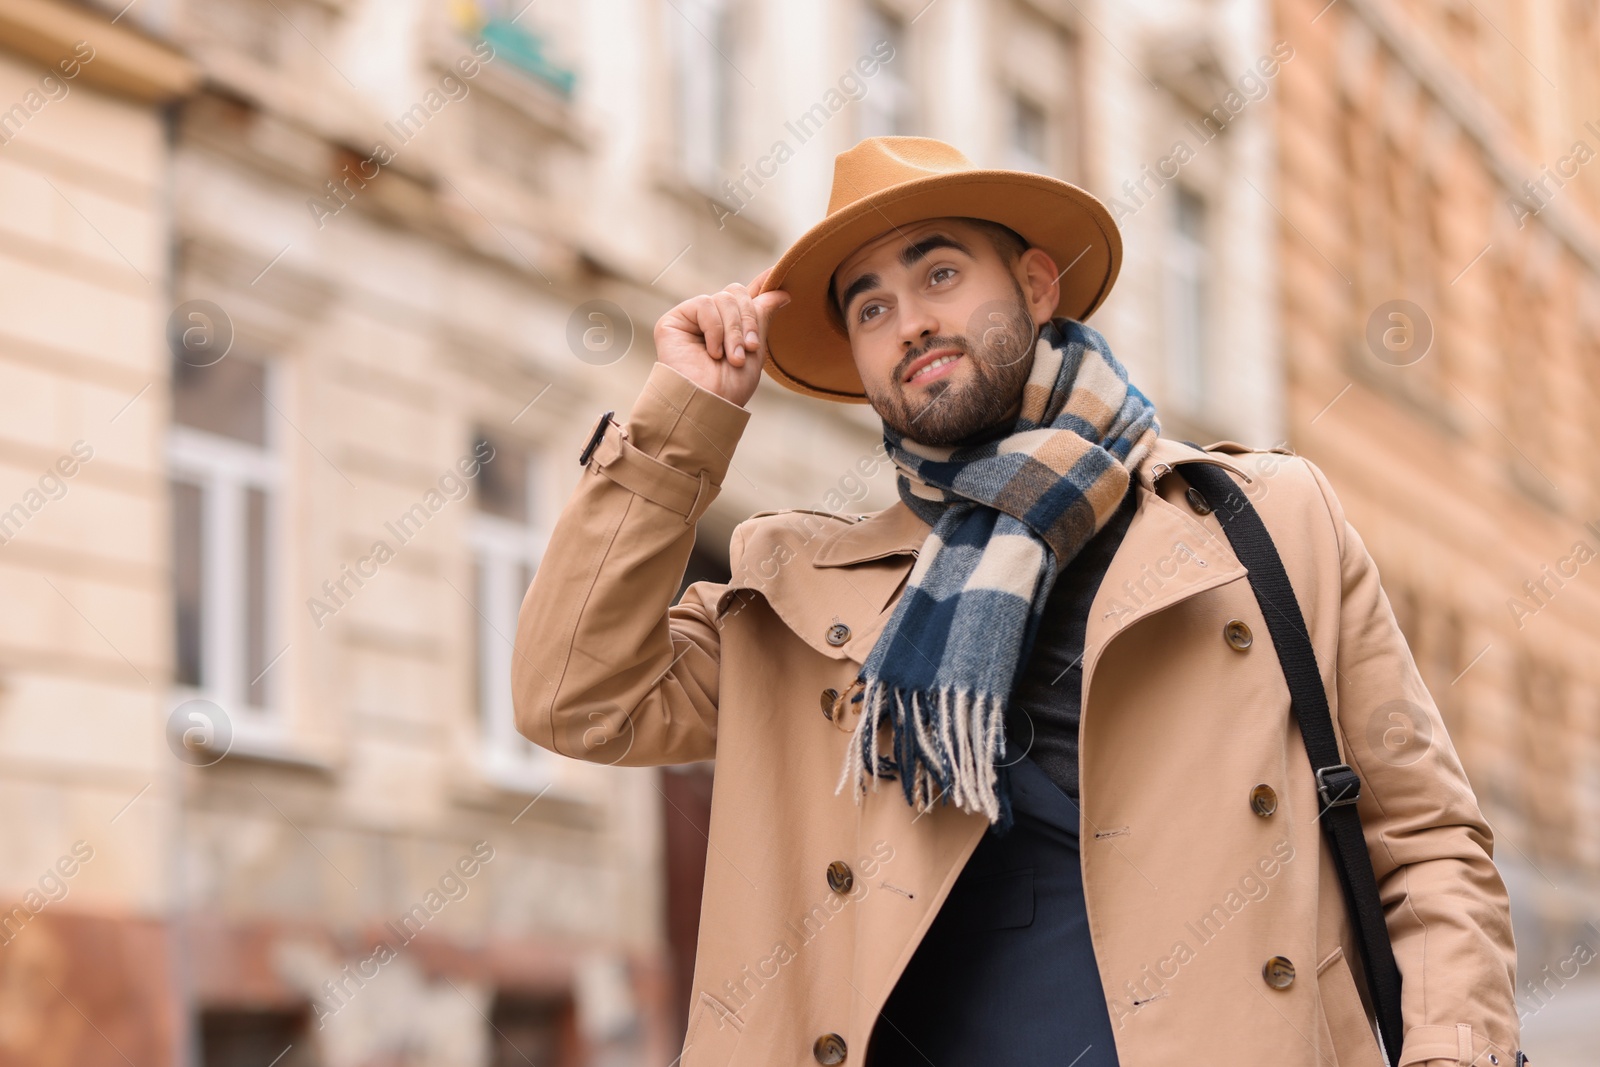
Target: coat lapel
1167	555
818	570
875	556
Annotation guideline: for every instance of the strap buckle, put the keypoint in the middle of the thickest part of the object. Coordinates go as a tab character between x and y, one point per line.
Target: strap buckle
594	439
1338	785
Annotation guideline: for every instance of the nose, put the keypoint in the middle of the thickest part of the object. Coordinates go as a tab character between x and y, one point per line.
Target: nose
917	323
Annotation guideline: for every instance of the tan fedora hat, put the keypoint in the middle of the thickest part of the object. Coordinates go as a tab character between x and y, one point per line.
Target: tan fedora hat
885	182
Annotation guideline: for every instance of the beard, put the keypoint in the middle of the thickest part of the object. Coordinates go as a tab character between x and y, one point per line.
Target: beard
950	413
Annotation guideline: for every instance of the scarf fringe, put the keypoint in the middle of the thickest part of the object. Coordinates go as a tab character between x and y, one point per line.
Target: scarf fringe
949	740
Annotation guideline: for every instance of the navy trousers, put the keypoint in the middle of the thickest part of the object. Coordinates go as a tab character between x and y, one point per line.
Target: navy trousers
1006	974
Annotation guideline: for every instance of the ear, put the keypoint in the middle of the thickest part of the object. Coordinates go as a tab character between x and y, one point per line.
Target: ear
1040	279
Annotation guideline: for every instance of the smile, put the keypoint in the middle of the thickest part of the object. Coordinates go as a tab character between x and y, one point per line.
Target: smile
933	365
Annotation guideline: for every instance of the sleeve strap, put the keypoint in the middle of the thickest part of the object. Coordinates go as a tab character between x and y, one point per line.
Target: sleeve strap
1455	1044
683	494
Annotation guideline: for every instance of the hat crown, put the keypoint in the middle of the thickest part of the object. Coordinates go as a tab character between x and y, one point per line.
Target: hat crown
879	163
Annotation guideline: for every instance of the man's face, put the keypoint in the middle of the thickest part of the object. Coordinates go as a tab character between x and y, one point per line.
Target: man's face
942	328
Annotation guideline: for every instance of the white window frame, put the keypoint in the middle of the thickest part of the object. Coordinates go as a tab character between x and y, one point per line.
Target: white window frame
700	87
1188	260
885	110
1017	157
224	469
500	548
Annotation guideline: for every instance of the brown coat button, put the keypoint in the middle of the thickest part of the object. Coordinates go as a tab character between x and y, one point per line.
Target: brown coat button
828	697
838	634
829	1048
1197	501
1237	634
1263	800
840	877
1278	972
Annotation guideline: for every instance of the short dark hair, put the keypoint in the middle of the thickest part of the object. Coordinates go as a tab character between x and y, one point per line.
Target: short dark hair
1008	243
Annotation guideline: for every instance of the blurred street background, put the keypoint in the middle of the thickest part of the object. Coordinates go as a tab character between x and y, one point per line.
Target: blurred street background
308	306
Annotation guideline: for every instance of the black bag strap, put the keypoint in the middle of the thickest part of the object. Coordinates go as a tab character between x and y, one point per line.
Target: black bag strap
1337	785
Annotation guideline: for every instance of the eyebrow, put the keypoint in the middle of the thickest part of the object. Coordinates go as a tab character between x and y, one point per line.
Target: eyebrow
909	255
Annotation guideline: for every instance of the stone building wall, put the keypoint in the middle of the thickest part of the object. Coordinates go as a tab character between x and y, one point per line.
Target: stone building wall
1441	309
86	791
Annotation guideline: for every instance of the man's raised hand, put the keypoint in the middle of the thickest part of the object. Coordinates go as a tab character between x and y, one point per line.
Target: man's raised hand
718	340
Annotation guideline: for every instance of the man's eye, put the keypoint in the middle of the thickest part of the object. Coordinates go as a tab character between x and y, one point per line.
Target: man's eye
938	274
867	310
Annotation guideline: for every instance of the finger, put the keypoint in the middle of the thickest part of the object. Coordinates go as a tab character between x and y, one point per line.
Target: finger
709	321
749	322
747	316
732	326
766	304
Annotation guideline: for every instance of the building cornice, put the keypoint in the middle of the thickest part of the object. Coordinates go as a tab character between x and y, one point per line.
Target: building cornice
126	62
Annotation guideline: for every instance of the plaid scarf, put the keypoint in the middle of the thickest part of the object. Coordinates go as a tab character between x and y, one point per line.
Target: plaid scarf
1007	515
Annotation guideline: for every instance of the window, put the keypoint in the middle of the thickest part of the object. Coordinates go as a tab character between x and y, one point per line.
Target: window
702	43
1029	149
243	1038
507	541
887	108
527	1030
224	482
1186	319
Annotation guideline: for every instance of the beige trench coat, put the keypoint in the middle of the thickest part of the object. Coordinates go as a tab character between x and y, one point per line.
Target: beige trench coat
813	905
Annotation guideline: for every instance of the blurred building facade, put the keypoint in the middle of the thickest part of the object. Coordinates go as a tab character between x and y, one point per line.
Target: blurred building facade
1440	254
84	937
332	292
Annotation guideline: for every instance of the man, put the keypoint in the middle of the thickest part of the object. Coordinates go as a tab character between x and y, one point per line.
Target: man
1101	841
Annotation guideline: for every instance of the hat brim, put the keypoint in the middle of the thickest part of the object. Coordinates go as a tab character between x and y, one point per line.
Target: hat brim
807	349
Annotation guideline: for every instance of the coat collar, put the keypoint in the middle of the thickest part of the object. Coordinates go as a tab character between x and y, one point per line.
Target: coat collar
896	530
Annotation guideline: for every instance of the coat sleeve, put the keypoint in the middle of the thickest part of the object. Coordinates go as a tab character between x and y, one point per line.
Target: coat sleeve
1447	909
606	669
